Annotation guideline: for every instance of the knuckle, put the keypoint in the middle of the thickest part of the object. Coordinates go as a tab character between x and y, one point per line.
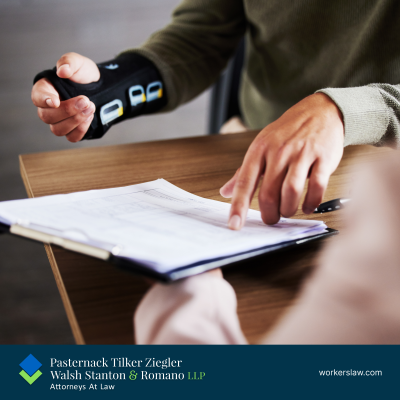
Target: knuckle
56	130
299	146
243	182
266	199
314	147
81	129
291	189
239	204
69	108
260	146
77	118
43	115
319	184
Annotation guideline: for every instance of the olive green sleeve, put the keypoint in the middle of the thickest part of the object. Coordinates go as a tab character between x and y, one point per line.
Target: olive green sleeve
194	48
371	113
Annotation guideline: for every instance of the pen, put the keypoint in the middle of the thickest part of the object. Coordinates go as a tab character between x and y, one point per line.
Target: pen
331	205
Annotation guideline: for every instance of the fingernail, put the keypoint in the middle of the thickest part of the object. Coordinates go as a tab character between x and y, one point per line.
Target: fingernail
88	111
63	66
49	102
89	119
81	104
308	210
234	222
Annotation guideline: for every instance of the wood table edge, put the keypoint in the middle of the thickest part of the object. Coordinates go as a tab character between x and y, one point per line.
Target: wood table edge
56	273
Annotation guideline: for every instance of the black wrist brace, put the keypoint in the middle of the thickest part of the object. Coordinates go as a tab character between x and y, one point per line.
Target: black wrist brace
129	85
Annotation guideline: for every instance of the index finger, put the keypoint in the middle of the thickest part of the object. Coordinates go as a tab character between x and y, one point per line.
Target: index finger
245	186
44	95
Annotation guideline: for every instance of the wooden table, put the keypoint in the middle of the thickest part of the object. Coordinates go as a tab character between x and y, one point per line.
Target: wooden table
99	298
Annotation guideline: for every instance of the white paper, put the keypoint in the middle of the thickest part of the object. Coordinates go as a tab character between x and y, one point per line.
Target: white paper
155	223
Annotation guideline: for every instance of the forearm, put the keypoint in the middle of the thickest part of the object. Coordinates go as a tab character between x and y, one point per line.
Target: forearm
354	296
195	47
196	310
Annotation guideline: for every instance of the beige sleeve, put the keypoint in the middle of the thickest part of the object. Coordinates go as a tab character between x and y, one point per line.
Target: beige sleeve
371	113
194	48
196	310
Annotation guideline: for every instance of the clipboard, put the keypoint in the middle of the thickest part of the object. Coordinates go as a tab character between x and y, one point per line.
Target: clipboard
173	274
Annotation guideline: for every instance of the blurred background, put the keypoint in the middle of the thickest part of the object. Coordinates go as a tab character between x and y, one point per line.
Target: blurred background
34	34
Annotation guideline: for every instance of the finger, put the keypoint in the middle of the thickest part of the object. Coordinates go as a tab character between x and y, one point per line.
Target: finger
68	108
293	185
227	190
270	191
317	184
77	68
66	126
246	183
79	132
44	94
69	64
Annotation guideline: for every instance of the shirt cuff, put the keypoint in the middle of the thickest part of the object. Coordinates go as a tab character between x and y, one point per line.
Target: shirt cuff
365	114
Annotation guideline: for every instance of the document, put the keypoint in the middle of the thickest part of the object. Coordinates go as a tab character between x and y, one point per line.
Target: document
155	223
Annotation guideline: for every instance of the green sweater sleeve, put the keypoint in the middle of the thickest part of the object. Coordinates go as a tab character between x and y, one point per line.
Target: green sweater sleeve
194	48
371	113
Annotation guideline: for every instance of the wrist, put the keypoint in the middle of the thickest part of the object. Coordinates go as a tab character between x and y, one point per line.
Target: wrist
330	108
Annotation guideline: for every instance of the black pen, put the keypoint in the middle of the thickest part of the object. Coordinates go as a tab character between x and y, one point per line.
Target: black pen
331	205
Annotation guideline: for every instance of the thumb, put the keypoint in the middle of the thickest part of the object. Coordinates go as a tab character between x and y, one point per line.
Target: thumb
77	68
227	190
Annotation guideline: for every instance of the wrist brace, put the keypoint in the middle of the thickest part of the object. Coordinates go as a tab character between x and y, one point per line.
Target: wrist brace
129	85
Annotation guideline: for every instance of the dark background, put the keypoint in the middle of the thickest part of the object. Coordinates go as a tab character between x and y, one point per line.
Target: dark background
34	34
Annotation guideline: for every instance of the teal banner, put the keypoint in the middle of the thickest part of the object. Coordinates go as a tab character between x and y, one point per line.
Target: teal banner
199	372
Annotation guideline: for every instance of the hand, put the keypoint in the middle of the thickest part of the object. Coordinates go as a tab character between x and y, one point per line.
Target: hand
70	118
306	141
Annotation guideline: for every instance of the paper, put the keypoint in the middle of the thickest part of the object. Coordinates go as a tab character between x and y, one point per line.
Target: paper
154	223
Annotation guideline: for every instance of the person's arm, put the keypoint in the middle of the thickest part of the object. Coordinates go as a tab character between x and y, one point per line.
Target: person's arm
371	113
306	142
189	55
195	47
197	310
128	86
354	296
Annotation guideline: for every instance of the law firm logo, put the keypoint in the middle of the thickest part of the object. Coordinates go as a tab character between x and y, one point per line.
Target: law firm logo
30	369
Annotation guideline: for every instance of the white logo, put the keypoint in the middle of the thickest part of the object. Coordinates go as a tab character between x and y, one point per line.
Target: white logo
112	66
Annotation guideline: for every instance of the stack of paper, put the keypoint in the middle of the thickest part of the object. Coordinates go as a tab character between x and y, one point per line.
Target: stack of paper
154	223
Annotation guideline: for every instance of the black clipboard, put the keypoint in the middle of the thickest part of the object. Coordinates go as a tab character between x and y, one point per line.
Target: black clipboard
191	269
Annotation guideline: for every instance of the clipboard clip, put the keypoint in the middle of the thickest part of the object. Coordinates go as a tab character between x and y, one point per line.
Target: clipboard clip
68	239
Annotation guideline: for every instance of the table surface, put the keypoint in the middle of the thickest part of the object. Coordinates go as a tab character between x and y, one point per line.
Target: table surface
100	299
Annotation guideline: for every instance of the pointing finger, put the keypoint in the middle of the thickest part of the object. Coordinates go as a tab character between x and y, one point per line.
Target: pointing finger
246	183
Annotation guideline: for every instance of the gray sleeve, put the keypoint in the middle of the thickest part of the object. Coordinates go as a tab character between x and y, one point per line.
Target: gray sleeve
371	113
195	47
